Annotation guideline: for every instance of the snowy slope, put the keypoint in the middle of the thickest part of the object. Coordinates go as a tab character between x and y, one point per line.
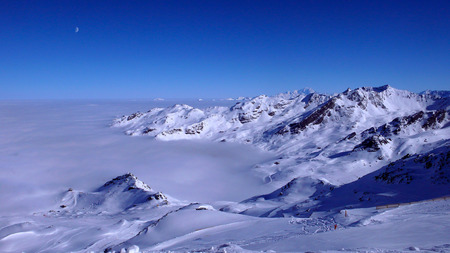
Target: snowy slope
410	179
292	113
188	227
84	221
337	138
333	159
120	194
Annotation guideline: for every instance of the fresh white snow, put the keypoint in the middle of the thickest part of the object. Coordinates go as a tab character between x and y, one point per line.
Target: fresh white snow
295	172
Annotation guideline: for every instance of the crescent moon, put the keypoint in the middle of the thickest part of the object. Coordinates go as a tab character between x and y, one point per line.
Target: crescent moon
77	29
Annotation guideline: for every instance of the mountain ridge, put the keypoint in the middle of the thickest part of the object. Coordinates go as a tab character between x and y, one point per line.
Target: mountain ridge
338	137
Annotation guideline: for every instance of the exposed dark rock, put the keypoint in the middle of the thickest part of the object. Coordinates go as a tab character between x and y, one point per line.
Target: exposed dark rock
157	196
403	173
134	115
435	118
280	105
368	132
195	129
414	118
372	144
279	131
248	117
350	136
315	118
148	130
400	123
406	156
244	118
172	131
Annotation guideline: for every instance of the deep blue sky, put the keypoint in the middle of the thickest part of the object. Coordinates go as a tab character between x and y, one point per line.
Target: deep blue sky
213	49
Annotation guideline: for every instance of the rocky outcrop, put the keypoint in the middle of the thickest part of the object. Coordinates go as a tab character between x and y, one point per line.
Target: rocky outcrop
314	118
434	165
435	118
372	144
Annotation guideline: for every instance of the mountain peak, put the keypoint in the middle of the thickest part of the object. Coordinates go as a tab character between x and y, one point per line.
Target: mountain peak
117	195
293	94
127	181
382	88
306	91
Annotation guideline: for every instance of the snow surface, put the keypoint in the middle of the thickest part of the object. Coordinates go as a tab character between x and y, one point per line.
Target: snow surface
296	172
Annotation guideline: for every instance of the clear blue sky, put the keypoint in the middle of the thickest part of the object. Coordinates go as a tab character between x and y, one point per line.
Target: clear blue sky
214	48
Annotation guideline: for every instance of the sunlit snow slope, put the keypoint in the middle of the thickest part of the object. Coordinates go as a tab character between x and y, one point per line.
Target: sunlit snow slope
337	138
336	162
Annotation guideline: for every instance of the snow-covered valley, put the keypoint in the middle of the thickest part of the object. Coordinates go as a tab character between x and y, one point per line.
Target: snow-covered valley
295	172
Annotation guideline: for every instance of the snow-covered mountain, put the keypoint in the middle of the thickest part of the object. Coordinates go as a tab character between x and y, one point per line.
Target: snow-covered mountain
336	138
334	160
410	179
120	194
292	112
